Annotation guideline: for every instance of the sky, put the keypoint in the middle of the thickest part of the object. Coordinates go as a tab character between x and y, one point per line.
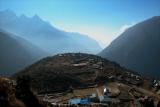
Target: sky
102	20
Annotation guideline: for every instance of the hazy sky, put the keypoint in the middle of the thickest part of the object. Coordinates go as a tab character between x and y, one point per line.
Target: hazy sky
102	20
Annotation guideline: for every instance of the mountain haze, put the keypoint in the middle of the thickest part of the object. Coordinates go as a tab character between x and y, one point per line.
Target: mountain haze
138	48
16	53
44	35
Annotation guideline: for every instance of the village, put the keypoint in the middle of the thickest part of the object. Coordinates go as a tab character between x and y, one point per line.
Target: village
107	95
110	88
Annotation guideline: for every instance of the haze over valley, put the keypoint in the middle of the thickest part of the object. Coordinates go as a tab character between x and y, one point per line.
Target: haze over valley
43	35
83	53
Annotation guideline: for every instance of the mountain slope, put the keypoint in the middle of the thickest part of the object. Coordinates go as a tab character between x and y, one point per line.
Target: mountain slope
46	36
16	53
60	72
138	48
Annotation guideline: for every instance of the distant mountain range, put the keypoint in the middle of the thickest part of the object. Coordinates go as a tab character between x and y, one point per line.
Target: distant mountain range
16	53
45	36
35	39
138	48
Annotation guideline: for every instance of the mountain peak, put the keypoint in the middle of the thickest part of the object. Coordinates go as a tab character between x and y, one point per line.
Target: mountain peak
23	16
8	13
36	17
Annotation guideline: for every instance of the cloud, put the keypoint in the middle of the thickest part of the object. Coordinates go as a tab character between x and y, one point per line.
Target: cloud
125	27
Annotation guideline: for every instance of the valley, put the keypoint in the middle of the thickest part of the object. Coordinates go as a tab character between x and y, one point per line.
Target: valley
79	53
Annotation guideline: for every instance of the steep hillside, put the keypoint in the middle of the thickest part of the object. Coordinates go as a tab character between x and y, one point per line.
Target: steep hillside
138	48
44	35
16	53
17	94
7	94
63	71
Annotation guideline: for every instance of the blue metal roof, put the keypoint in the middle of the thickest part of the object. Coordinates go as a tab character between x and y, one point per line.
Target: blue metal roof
77	101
